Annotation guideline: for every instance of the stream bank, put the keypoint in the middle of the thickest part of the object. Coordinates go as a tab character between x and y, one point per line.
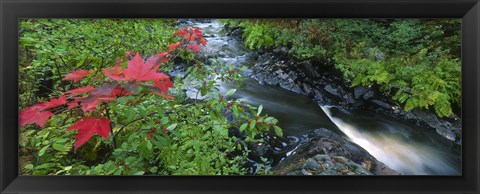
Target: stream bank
306	96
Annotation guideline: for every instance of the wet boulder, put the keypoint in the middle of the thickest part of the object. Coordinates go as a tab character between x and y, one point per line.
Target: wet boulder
321	153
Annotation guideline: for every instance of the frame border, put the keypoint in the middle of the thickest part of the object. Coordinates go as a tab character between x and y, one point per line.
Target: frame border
11	11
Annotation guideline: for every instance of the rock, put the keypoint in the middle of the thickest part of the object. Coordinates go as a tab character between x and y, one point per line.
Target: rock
334	155
307	89
272	80
368	95
297	89
382	104
447	133
308	69
359	91
286	85
318	96
443	128
292	75
333	91
349	99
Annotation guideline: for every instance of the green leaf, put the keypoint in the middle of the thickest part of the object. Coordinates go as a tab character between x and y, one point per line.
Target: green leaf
260	108
59	147
230	92
28	166
46	165
43	150
243	127
149	145
172	127
278	131
139	173
252	124
154	169
164	120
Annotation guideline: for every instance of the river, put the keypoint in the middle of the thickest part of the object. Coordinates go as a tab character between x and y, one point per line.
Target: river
401	145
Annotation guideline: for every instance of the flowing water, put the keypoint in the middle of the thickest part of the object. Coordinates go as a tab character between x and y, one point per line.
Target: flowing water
401	145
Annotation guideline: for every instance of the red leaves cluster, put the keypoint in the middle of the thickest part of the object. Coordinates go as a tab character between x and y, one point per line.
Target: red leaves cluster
192	37
123	82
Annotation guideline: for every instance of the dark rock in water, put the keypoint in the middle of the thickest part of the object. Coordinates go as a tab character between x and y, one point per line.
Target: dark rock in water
297	89
382	104
323	164
286	85
368	95
333	91
349	99
359	91
307	89
271	80
321	153
443	128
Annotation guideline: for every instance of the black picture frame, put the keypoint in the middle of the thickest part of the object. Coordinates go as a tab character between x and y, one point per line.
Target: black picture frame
12	10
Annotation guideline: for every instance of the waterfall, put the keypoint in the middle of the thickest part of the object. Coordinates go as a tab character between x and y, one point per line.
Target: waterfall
408	158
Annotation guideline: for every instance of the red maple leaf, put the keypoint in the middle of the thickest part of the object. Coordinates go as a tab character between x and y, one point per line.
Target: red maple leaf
173	46
197	33
87	127
77	75
114	73
137	70
35	115
72	104
163	85
103	93
194	47
202	41
55	102
80	90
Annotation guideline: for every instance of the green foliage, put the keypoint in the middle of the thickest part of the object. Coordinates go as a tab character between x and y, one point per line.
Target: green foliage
414	61
150	135
49	48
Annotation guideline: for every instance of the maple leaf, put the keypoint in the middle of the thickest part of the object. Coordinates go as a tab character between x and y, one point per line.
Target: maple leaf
87	127
163	85
194	47
103	93
80	90
77	75
34	115
114	73
197	33
72	104
37	113
202	41
137	70
55	102
173	46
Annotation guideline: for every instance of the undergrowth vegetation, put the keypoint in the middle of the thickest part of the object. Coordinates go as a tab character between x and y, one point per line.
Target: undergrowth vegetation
97	98
416	62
